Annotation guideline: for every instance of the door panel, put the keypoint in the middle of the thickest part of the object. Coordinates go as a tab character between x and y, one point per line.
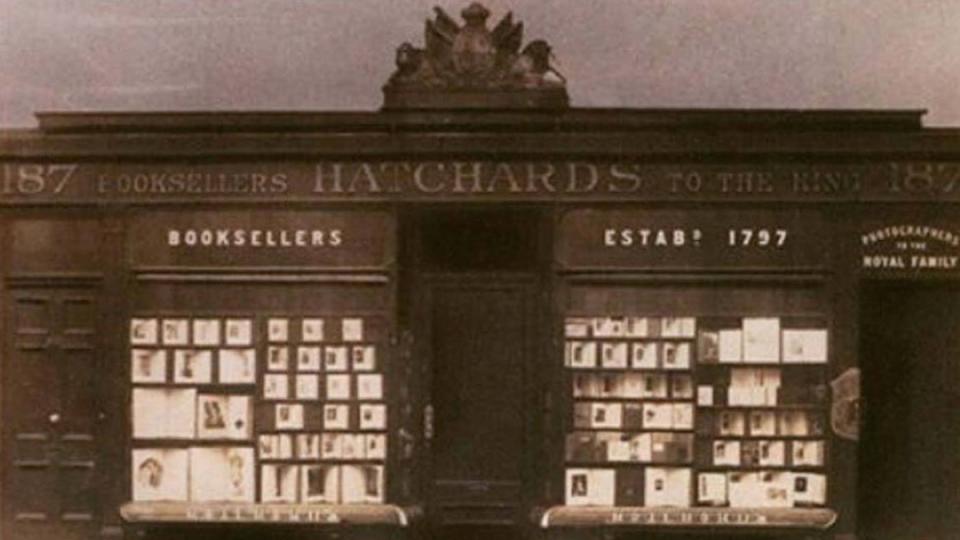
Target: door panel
480	343
50	408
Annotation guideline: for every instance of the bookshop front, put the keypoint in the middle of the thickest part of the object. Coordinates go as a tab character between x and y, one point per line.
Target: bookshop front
479	312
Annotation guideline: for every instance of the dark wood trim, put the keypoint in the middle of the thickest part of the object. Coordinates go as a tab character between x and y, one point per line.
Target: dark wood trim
263	278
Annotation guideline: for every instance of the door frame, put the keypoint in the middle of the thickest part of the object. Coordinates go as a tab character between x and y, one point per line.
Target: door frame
531	286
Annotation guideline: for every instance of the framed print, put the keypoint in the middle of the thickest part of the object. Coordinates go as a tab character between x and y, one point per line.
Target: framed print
807	453
206	332
665	486
712	489
336	417
227	474
276	386
708	349
335	358
370	386
763	423
577	327
331	445
308	387
726	453
705	395
222	416
638	327
308	359
320	484
656	416
351	446
681	387
148	365
192	366
278	358
238	332
612	385
581	354
175	331
275	446
159	474
237	366
772	453
308	446
143	331
279	483
278	330
644	355
373	416
372	483
809	488
289	416
676	356
606	415
578	487
730	346
364	358
655	385
587	385
794	424
805	346
376	446
613	355
352	329
761	340
684	327
682	416
731	424
352	484
338	387
311	330
164	413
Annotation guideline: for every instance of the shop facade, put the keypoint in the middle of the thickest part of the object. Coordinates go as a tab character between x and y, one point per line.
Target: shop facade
514	315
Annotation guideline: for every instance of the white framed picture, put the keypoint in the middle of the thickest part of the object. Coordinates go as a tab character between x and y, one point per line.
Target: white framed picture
581	354
159	474
331	445
352	446
238	332
576	327
352	329
614	355
376	446
335	358
805	346
370	386
289	416
761	340
148	365
164	413
683	327
279	483
192	366
364	357
338	387
175	331
278	358
308	359
320	484
676	356
221	416
278	330
275	446
308	446
311	330
143	331
308	387
237	366
645	355
228	474
336	417
373	416
206	332
276	386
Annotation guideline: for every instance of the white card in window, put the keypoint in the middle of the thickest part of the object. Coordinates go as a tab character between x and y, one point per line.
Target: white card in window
148	365
654	385
645	355
143	331
609	326
336	417
222	474
364	358
772	453
352	484
805	346
676	356
279	483
206	332
638	327
576	327
278	358
581	354
311	330
308	446
730	344
289	416
159	475
372	483
238	366
705	396
335	358
353	329
606	415
373	416
213	416
807	453
578	487
331	446
352	446
678	327
731	424
809	489
278	330
744	490
268	446
192	366
161	413
320	484
338	387
308	387
376	445
682	416
308	359
761	340
712	489
238	332
665	486
370	386
613	355
681	387
794	424
175	331
276	386
777	489
763	423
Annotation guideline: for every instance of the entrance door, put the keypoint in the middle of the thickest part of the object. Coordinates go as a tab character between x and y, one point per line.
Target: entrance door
910	445
49	414
480	341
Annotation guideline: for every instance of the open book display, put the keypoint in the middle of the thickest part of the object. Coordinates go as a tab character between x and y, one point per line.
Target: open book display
696	412
248	409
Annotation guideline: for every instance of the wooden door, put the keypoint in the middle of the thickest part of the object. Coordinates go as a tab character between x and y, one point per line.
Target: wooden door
910	444
480	338
50	414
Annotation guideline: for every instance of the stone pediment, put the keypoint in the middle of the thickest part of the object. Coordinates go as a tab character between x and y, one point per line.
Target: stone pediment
471	66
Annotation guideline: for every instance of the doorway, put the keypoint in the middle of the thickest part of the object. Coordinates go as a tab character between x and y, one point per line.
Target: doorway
910	442
477	325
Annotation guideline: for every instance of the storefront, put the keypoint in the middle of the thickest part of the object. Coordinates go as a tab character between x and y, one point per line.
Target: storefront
514	315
